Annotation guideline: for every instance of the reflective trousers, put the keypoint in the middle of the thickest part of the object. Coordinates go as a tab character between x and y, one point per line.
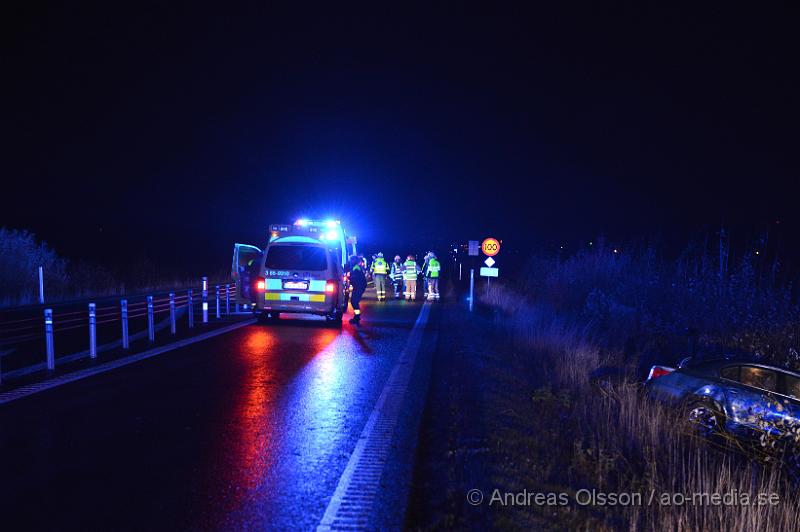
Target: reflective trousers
398	287
433	288
411	289
380	285
355	299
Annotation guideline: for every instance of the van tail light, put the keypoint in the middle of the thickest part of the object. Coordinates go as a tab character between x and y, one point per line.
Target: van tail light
330	287
261	285
659	371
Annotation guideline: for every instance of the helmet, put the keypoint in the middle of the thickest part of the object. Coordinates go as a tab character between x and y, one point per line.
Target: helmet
380	254
397	258
410	257
431	255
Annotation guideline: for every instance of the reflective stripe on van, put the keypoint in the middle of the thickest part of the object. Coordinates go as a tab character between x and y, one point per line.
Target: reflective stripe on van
292	296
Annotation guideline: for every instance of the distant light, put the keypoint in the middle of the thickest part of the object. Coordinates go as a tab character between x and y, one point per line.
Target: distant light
616	250
561	247
756	252
302	222
590	243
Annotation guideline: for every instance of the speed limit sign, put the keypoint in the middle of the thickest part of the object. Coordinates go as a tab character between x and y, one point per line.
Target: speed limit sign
490	247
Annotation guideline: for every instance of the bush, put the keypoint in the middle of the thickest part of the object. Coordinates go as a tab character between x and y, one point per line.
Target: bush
744	305
20	257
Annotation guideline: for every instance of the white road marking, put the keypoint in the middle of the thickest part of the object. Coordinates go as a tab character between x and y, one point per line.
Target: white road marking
31	389
351	504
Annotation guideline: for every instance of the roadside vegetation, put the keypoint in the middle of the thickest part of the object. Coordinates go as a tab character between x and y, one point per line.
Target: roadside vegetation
21	254
602	310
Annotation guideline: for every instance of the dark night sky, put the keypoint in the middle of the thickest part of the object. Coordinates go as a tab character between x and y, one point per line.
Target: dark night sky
179	130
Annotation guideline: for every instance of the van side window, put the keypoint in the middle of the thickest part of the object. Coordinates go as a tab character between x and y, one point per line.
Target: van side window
759	378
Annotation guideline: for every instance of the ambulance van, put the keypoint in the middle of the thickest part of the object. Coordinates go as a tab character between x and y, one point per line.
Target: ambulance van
301	271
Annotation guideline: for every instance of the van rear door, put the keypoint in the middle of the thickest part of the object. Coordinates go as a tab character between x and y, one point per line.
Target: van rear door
246	261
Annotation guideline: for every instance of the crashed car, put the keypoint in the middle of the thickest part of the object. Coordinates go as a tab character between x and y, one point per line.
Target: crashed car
743	398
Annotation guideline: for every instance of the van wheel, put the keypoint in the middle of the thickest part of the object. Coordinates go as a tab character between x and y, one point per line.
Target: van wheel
334	319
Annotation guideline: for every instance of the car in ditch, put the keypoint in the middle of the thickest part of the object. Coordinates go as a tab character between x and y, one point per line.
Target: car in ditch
744	398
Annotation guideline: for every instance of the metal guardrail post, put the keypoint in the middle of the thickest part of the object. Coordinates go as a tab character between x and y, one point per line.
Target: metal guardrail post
227	299
48	335
190	308
471	287
126	341
204	294
151	330
172	312
92	330
217	295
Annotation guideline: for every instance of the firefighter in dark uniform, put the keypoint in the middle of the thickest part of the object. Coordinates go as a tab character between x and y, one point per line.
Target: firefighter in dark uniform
358	280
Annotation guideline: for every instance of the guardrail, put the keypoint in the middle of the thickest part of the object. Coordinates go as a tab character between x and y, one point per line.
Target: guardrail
170	306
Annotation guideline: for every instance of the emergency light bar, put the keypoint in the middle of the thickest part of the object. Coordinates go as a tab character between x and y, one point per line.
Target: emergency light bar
329	230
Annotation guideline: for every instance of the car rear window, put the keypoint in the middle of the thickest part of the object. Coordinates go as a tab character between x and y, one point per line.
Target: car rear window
759	378
308	258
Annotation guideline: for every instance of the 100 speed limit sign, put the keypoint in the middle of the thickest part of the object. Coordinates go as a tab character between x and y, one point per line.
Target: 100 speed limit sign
490	247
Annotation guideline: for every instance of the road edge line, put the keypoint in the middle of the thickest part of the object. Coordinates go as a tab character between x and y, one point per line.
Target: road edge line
31	389
397	383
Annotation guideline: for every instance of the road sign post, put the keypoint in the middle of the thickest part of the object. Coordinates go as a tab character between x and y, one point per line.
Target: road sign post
216	289
474	246
471	287
92	330
490	247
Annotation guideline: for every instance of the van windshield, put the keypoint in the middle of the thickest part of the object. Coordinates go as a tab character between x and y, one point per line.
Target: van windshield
309	258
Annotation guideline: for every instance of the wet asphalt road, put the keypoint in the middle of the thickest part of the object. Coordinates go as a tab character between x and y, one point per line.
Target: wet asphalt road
251	429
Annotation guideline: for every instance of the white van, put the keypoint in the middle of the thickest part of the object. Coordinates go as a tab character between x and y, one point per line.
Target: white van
300	271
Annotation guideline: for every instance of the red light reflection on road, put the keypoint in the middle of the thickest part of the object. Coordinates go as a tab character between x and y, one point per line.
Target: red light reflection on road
273	357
